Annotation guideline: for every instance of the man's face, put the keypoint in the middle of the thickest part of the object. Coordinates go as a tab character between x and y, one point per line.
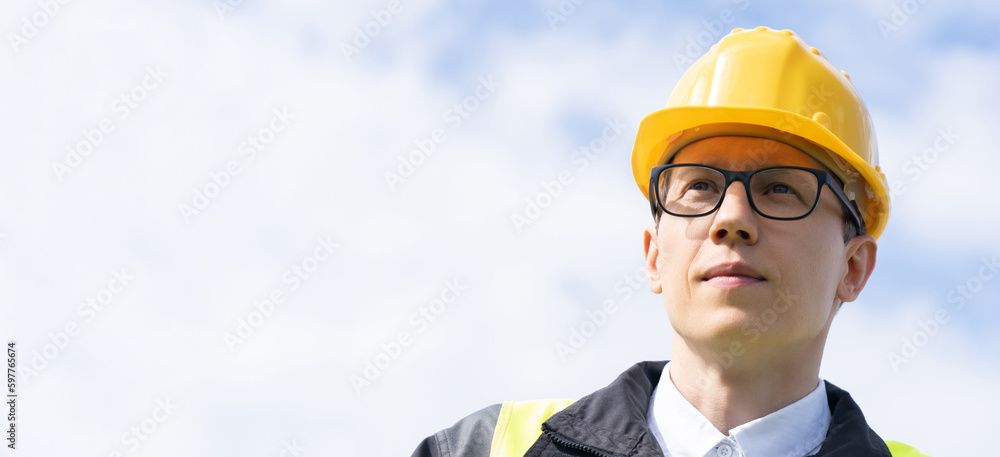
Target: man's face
734	275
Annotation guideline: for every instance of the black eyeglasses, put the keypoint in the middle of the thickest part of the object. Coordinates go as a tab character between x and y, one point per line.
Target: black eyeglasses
782	193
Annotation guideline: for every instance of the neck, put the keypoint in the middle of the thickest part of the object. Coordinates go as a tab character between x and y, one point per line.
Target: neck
731	391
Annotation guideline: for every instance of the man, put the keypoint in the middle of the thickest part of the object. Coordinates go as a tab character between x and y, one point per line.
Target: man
763	180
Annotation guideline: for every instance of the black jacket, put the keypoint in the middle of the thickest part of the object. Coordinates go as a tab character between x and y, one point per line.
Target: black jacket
613	422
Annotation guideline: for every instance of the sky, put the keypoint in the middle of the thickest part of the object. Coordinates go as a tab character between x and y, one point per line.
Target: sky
243	227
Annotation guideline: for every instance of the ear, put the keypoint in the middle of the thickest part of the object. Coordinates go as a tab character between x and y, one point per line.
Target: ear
860	253
652	253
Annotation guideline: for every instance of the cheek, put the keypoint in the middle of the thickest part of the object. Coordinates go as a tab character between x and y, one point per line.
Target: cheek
675	258
813	271
669	252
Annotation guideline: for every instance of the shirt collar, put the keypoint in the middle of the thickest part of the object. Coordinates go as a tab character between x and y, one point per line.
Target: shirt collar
682	431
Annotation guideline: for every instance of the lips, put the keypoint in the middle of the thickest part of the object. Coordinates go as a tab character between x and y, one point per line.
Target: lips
731	275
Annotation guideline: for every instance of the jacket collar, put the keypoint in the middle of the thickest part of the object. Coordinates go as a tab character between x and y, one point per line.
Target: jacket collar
613	420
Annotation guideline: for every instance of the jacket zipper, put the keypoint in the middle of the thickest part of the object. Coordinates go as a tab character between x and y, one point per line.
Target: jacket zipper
574	445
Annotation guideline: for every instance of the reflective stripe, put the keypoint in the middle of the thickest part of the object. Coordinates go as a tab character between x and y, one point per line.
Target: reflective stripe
898	449
520	424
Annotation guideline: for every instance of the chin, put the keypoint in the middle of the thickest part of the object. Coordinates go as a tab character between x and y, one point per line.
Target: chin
726	319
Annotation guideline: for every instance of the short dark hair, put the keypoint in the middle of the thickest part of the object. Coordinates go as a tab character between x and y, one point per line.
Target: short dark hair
851	228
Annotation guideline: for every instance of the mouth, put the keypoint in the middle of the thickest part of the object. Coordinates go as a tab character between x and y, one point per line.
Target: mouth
732	275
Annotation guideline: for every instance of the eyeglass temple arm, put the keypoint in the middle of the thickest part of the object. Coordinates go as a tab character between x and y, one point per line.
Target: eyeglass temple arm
847	202
652	196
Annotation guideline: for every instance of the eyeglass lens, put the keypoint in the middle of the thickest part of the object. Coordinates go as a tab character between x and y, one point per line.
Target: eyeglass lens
692	190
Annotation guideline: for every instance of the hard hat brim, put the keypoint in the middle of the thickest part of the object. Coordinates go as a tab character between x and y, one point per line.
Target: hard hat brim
663	132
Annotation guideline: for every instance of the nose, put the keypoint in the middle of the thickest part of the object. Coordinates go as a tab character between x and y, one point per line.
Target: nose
735	221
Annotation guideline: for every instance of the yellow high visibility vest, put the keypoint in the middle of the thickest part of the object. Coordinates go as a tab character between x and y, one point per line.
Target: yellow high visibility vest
520	424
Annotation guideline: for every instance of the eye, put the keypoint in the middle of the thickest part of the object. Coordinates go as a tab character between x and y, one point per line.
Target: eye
701	185
781	189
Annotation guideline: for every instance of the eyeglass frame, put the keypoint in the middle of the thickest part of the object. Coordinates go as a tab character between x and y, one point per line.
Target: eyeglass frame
822	178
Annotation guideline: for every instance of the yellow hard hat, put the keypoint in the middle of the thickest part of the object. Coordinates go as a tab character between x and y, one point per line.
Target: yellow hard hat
770	84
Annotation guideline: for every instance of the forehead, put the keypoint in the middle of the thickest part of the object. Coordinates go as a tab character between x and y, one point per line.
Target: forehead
741	153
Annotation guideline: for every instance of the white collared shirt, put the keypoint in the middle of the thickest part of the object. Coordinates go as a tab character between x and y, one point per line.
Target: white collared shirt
796	430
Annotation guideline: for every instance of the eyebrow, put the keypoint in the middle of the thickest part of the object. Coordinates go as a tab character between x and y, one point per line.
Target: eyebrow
723	163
